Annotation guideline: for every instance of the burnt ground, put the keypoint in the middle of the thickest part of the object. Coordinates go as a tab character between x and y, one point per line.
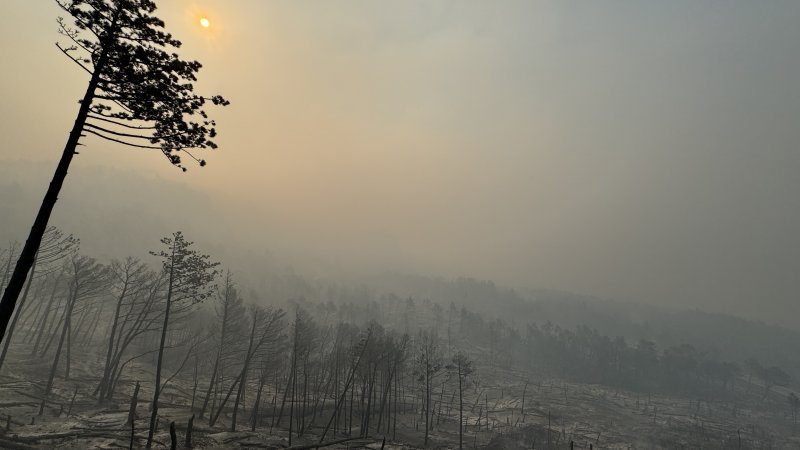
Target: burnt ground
556	413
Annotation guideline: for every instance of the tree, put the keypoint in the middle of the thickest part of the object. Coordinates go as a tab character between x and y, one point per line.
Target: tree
359	350
140	94
461	366
304	334
55	246
141	317
794	404
429	364
131	313
9	256
267	321
231	313
89	280
189	281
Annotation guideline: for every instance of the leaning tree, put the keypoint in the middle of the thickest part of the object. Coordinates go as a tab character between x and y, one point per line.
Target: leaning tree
189	280
140	94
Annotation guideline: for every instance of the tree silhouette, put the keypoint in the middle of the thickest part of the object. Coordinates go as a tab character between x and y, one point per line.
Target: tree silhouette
232	316
89	279
429	363
54	247
462	367
140	94
190	276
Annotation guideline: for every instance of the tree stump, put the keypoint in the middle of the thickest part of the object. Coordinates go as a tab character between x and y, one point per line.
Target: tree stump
72	402
188	443
173	438
134	401
133	433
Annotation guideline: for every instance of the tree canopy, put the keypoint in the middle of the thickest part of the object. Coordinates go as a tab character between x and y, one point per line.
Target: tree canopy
144	95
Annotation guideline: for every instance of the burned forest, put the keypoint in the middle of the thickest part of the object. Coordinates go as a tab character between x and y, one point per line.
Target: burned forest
399	225
169	349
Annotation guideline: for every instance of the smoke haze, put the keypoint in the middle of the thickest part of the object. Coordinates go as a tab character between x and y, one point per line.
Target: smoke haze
645	152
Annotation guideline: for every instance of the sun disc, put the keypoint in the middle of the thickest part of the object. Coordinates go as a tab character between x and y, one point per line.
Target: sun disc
204	22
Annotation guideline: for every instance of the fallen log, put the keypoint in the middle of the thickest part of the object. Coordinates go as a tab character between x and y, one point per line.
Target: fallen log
11	445
77	434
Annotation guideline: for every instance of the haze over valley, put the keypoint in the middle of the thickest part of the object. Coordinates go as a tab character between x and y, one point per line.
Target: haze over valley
516	224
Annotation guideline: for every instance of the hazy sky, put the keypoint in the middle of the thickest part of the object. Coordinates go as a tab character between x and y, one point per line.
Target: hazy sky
647	151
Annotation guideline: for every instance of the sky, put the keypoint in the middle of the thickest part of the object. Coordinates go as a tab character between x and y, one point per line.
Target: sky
644	151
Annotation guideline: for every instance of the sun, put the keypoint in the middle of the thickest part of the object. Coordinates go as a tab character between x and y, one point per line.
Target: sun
204	22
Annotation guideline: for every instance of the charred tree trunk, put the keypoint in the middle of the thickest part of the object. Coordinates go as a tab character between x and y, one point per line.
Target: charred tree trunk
10	333
210	388
285	394
64	330
256	406
69	346
346	386
27	257
188	442
134	403
110	352
46	315
213	419
461	411
243	376
157	385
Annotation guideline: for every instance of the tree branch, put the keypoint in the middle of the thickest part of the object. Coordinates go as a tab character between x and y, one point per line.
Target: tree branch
102	117
149	147
66	52
116	133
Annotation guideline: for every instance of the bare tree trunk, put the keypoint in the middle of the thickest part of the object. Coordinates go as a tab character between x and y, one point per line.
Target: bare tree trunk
28	255
384	399
35	317
69	341
350	419
109	353
64	330
336	395
194	386
72	402
294	389
89	334
46	315
243	376
134	402
256	406
157	385
461	410
81	322
396	391
173	437
213	419
188	443
285	394
427	400
346	386
210	388
52	336
10	333
302	417
12	248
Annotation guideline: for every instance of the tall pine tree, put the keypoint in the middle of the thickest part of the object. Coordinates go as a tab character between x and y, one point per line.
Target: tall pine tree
140	94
